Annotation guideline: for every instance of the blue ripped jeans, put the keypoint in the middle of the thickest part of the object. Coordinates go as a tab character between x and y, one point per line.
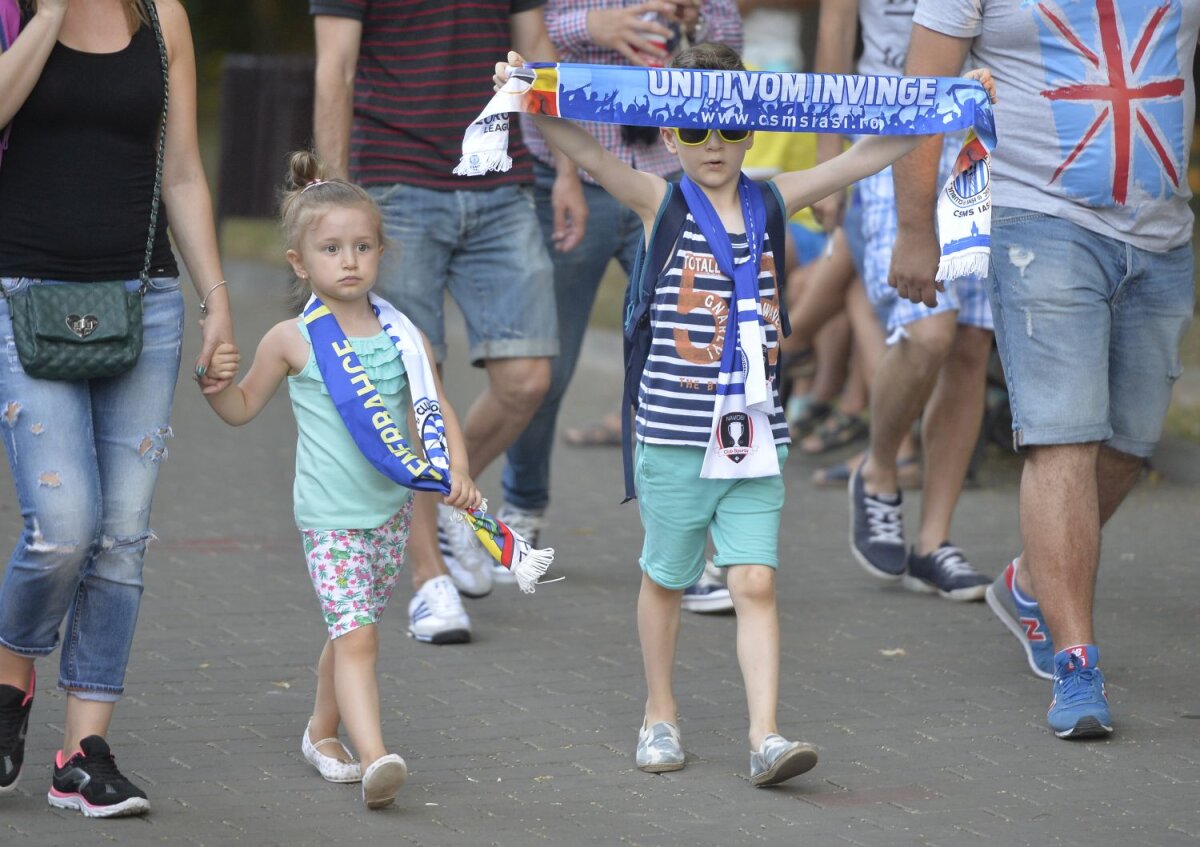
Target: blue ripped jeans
84	458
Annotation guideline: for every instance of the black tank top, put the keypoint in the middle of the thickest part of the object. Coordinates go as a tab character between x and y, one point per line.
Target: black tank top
77	179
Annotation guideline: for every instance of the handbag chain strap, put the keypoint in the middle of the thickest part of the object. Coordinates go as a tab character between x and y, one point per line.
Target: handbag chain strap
156	27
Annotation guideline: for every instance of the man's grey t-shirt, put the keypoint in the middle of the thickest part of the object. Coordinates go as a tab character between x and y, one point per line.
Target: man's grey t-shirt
1095	108
886	27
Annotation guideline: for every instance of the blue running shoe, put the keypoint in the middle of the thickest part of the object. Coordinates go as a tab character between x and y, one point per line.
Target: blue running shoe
876	531
1080	705
1024	620
946	571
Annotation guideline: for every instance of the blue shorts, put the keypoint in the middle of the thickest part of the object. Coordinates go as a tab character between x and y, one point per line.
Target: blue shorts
1089	330
809	243
967	297
486	247
679	509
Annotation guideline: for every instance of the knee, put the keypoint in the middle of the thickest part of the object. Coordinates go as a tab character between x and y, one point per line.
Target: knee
972	348
753	584
929	341
358	645
1064	462
523	387
59	543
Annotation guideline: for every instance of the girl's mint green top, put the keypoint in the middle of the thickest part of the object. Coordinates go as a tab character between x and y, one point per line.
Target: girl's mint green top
336	487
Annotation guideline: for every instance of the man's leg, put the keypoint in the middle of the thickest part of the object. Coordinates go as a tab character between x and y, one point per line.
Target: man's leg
949	431
501	411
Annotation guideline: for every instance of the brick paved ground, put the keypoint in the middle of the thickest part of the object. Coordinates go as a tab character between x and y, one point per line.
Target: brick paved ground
930	726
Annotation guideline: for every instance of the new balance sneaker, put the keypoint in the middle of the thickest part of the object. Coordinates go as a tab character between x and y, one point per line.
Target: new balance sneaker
89	782
15	706
659	748
1024	620
709	595
778	760
470	566
436	614
524	523
946	571
876	530
1079	708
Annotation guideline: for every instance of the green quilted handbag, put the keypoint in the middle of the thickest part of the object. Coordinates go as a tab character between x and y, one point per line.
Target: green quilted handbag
87	330
81	330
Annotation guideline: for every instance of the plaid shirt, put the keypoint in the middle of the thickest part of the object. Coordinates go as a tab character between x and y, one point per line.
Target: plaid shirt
566	21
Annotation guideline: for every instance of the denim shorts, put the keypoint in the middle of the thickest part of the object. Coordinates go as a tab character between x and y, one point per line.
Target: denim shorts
85	456
1089	329
679	510
486	248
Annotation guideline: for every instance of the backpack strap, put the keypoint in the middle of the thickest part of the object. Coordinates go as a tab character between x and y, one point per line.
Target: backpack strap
644	274
777	232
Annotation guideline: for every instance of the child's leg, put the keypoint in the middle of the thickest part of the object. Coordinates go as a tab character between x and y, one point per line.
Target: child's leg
658	629
357	692
753	590
326	719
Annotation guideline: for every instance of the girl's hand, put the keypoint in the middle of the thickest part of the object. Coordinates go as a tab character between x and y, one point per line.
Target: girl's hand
503	69
216	329
224	362
984	76
463	492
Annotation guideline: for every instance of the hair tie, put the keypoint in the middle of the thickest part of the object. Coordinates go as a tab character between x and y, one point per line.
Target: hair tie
313	184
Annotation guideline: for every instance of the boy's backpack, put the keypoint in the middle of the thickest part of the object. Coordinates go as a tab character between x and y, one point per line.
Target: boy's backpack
644	274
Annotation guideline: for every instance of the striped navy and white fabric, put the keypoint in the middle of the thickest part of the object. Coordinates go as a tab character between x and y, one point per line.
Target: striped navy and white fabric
678	393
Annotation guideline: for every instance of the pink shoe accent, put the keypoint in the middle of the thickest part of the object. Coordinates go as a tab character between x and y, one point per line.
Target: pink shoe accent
32	686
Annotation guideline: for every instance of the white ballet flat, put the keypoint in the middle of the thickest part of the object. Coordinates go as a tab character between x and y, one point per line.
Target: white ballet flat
333	770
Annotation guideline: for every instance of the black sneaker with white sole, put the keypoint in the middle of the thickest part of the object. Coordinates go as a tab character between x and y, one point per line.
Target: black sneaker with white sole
876	530
15	706
89	782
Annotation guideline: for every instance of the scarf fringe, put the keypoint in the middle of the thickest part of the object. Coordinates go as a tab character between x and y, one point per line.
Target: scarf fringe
974	263
482	162
530	565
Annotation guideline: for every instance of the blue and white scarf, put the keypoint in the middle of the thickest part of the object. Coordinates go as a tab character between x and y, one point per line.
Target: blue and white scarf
772	102
380	438
740	443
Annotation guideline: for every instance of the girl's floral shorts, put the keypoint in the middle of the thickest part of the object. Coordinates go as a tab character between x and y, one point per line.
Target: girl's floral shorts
355	570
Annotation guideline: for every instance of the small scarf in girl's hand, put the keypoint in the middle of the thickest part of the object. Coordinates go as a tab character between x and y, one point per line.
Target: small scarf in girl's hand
379	437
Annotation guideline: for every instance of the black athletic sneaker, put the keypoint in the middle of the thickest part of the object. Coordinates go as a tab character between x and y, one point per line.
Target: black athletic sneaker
14	720
90	782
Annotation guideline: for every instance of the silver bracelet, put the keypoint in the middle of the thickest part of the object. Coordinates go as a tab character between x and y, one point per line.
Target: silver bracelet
204	300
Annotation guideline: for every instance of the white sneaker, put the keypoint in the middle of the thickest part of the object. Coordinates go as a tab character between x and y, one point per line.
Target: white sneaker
709	595
528	525
436	614
470	565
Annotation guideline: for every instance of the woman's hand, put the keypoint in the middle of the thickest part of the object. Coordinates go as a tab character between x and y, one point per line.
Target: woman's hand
984	77
463	492
216	330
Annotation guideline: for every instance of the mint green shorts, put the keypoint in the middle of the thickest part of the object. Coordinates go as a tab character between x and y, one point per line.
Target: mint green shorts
679	510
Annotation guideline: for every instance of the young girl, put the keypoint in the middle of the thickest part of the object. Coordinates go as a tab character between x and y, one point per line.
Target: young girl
699	469
353	519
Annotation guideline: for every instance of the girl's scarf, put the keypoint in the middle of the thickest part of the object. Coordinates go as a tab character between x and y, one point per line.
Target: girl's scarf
740	443
380	438
768	101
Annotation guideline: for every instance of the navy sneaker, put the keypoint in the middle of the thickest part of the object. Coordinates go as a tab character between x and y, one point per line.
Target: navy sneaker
876	531
1080	705
1024	620
710	595
946	571
89	782
15	706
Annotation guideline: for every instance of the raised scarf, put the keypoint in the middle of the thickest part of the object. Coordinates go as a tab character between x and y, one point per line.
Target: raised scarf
380	438
774	102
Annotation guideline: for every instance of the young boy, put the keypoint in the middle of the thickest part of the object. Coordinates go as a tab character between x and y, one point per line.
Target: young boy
691	317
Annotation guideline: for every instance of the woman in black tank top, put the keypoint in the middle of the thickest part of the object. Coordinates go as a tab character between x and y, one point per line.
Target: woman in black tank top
83	88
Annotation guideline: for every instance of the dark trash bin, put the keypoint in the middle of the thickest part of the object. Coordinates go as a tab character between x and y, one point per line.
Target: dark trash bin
266	112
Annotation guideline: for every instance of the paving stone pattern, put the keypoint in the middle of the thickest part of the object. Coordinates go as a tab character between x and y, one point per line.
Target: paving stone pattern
930	728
